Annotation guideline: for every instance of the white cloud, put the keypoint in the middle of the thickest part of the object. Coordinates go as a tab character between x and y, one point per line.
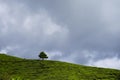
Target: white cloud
42	23
69	58
107	63
29	29
89	28
3	52
7	49
53	54
20	20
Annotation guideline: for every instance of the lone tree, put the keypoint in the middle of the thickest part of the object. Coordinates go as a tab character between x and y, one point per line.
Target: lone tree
43	55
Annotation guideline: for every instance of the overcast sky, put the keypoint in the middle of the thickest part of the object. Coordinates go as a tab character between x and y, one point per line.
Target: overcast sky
78	31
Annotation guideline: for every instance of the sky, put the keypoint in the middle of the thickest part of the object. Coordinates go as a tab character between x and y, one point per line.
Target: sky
78	31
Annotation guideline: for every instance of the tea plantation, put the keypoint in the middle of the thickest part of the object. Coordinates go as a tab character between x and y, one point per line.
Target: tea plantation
13	68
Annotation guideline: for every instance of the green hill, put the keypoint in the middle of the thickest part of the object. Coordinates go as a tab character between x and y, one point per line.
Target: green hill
4	57
13	68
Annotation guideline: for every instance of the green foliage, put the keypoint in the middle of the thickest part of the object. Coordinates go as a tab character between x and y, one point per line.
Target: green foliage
43	55
5	76
17	78
24	69
3	57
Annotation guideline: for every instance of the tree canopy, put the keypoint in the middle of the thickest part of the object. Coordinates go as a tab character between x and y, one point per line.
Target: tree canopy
43	55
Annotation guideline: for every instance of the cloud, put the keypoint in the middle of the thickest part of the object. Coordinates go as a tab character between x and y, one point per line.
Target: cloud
55	55
74	31
113	62
8	49
27	30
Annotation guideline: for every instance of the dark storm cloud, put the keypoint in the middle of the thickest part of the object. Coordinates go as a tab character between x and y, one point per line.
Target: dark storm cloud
79	31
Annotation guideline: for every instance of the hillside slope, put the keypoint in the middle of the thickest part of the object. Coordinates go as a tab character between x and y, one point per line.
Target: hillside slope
4	57
24	69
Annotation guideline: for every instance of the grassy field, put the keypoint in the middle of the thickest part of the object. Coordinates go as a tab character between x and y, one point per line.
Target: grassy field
13	68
